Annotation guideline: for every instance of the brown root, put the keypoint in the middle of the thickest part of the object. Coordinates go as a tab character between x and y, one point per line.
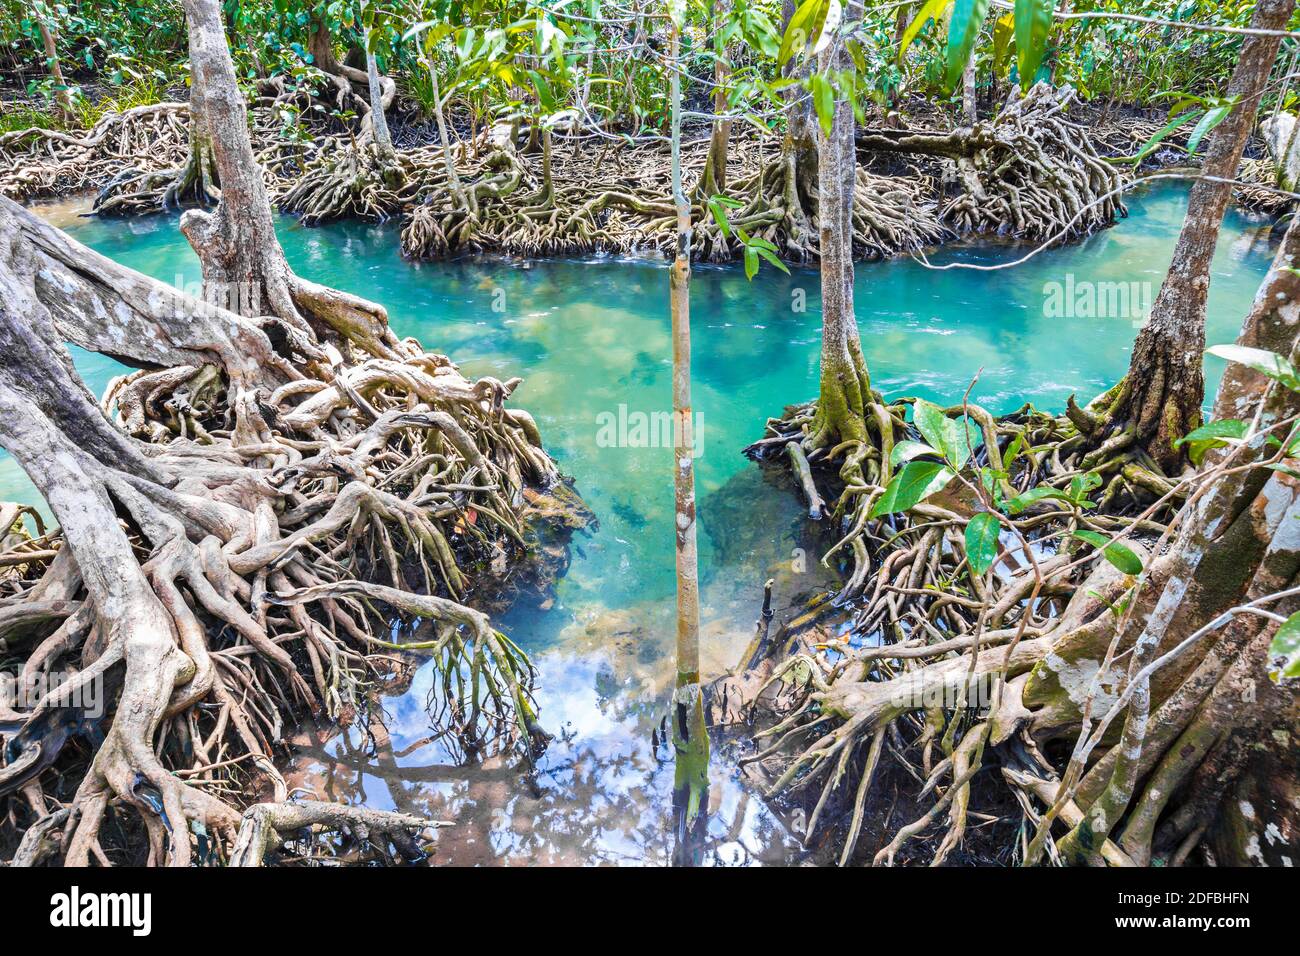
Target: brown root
221	582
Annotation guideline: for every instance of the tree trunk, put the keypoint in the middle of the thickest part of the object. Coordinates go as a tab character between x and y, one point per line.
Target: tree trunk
56	72
845	392
801	122
1161	397
969	100
1237	546
104	307
61	95
320	44
713	178
378	103
690	735
198	179
444	141
244	268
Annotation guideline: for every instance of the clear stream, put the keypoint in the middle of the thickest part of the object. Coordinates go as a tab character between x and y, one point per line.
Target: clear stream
591	336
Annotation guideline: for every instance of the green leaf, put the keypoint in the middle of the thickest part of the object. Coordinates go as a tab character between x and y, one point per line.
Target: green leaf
824	102
1114	552
771	257
827	26
1286	645
544	95
1202	439
751	262
907	449
1211	119
917	480
1292	443
1261	360
1013	450
946	434
1020	502
982	541
1033	25
933	10
718	208
1080	485
964	29
1160	135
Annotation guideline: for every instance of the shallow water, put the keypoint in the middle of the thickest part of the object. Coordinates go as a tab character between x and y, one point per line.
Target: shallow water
591	336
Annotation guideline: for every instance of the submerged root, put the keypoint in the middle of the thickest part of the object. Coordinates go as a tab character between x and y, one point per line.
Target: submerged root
292	830
932	655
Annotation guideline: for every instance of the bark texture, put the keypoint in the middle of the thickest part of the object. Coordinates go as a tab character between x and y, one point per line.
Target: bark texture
1160	400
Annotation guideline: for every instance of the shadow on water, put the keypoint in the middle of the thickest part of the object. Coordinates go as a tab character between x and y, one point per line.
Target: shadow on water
589	337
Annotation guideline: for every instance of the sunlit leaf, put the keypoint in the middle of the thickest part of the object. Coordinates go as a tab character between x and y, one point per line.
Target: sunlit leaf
1034	495
771	257
1003	34
907	449
1114	552
933	10
1160	135
967	20
982	541
1261	360
1211	119
831	23
917	480
948	435
805	24
1285	649
1033	25
1212	435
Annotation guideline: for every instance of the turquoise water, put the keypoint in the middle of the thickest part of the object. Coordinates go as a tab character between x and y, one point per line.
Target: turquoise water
591	336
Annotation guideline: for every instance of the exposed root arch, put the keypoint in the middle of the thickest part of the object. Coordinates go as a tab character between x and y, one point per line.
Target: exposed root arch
221	564
1029	172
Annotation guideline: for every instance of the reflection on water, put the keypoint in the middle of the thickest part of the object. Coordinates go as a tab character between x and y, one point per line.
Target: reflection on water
591	336
601	794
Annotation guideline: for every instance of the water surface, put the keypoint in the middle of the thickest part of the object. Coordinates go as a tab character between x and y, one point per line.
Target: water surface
591	336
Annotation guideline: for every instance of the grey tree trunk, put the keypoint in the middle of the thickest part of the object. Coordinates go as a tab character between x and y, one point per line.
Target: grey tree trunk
244	268
845	391
380	95
1236	546
1160	400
